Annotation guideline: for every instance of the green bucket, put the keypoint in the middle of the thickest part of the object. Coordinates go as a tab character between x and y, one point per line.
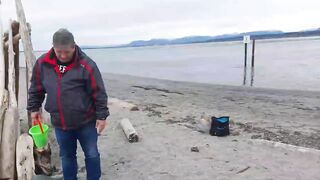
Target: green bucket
41	140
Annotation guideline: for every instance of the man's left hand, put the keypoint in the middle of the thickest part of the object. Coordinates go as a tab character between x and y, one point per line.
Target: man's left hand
101	125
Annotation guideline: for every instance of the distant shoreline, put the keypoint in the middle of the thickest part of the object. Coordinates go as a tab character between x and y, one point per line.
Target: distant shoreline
225	41
234	37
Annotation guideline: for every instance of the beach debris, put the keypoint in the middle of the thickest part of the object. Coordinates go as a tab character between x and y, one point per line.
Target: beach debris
158	89
152	112
134	108
194	149
42	157
279	134
129	131
285	146
256	136
204	124
122	104
220	126
243	170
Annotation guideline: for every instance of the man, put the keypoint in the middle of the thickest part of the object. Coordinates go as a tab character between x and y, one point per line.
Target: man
76	101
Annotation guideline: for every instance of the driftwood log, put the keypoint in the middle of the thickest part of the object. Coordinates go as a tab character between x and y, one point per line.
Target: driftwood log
3	109
43	156
11	126
8	148
2	78
25	161
16	37
26	39
30	58
129	131
2	65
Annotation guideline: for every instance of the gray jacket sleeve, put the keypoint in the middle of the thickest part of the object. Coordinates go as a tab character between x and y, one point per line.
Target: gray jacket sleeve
99	94
36	91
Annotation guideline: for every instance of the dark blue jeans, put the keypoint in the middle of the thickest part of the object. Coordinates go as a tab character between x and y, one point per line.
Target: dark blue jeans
67	140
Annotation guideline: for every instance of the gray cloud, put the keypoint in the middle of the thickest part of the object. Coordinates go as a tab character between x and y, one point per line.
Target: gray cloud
120	21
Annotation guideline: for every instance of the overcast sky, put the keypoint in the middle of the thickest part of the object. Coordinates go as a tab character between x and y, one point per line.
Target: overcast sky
109	22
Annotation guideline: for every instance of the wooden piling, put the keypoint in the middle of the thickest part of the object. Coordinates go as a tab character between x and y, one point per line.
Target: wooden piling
253	52
252	61
245	64
245	54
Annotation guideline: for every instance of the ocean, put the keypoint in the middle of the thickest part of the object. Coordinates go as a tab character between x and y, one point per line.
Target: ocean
281	64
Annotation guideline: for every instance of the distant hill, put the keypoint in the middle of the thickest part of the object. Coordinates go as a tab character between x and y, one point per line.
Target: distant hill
218	38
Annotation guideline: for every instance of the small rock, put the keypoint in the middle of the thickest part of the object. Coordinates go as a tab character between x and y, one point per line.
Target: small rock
256	136
194	149
134	108
297	133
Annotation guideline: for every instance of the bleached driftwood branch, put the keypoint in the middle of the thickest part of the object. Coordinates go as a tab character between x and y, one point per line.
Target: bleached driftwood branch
129	131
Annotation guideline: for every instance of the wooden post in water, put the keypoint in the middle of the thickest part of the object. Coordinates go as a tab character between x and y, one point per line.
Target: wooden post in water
245	65
245	54
252	61
253	51
246	40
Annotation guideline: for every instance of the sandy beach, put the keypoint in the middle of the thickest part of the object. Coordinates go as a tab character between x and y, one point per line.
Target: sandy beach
168	124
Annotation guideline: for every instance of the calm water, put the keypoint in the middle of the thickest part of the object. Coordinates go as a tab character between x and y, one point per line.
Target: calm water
281	64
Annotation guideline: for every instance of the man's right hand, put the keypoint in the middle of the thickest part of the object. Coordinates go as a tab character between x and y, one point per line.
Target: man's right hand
35	115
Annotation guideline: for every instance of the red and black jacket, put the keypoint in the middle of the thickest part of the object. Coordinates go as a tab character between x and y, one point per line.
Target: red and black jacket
74	98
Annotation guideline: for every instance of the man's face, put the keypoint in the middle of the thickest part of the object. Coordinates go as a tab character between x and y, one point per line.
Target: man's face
64	54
